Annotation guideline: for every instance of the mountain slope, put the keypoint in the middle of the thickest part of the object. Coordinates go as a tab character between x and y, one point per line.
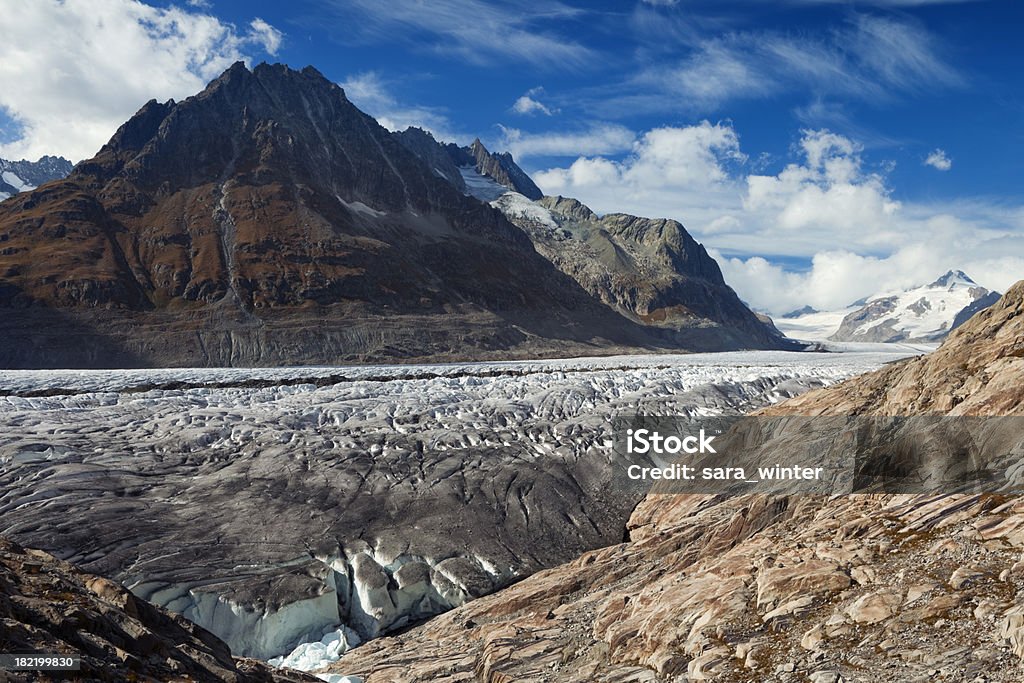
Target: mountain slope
776	587
650	270
922	314
19	176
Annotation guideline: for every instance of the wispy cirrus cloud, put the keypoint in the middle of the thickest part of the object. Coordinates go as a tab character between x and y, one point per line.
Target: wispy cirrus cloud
876	3
375	95
473	30
869	58
598	138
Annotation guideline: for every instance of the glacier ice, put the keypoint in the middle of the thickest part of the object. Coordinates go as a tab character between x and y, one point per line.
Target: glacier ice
272	505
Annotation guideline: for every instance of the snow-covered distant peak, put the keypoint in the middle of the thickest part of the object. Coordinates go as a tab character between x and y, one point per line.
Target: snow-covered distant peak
921	314
953	278
22	176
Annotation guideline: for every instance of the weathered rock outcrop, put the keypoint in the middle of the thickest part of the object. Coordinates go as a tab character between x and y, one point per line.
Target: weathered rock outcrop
650	270
49	606
504	170
788	588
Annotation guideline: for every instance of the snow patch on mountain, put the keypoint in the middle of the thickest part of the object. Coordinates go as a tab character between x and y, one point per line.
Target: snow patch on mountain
817	326
515	205
16	182
22	176
484	188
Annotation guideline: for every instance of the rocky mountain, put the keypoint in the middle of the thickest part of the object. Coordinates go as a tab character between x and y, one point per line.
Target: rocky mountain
924	314
926	586
50	606
453	162
650	270
267	220
799	312
19	176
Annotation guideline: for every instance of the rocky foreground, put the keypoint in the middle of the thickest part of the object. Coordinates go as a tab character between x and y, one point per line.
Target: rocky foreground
49	606
787	588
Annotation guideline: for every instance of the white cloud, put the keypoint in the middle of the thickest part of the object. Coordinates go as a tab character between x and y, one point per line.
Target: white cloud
824	209
668	169
527	104
373	95
716	73
597	139
266	35
473	30
71	72
939	160
838	278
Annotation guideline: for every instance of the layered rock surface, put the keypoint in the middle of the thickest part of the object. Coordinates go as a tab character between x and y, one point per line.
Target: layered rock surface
789	588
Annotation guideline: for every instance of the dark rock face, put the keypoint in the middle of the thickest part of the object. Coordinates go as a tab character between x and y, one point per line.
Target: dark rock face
51	606
31	174
443	159
503	169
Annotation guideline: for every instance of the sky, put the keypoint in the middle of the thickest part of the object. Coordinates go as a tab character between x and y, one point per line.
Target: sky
822	150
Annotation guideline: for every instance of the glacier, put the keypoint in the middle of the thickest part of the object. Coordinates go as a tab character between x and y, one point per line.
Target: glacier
275	506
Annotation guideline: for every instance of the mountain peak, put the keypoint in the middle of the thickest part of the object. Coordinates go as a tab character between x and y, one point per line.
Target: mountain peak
954	277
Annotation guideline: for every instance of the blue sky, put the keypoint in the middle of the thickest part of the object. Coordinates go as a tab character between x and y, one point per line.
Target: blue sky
823	150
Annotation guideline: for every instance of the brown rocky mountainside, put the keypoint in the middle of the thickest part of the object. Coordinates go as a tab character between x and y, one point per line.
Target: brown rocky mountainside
267	220
49	606
772	587
650	270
